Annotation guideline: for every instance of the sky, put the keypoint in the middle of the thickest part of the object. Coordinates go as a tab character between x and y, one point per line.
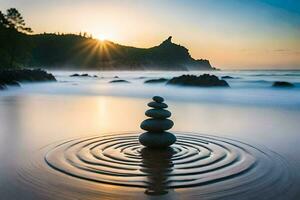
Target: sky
232	34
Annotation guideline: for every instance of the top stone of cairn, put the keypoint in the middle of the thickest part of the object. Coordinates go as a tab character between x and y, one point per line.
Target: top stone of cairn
157	103
158	99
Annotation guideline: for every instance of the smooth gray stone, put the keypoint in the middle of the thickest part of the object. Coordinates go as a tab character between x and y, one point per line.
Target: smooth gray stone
154	104
156	125
158	113
157	140
158	99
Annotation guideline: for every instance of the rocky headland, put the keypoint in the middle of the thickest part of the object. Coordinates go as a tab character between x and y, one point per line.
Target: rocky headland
14	77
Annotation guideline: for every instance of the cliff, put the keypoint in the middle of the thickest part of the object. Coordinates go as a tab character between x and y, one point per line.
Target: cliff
70	51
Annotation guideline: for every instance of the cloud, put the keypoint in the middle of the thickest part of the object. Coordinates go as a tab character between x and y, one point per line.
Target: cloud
287	51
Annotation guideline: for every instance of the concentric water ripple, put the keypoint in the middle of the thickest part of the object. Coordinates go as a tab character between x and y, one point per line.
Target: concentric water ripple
195	160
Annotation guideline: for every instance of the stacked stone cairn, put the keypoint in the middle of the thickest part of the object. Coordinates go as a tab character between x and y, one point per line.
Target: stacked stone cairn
156	125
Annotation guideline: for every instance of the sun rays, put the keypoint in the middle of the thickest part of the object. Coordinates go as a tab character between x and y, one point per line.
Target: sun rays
102	52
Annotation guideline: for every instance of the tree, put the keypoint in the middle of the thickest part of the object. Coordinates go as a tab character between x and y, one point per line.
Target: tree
16	21
15	24
4	57
3	21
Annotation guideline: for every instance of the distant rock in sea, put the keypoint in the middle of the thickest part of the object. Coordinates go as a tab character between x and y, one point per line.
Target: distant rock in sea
76	75
141	77
282	84
83	75
119	81
227	77
13	77
205	80
159	80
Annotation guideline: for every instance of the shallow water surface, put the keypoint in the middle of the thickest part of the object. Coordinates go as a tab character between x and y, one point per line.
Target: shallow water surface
77	139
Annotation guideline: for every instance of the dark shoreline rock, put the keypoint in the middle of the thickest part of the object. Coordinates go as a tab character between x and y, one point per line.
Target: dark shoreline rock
119	81
204	80
282	84
159	80
13	77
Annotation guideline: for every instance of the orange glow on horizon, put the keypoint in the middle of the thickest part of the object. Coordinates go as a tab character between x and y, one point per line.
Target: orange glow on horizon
265	39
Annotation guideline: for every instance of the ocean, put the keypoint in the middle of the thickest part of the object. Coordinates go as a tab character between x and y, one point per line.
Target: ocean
77	138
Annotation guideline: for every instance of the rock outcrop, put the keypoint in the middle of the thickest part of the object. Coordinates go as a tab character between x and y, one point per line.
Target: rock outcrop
205	80
83	75
159	80
15	76
282	84
119	81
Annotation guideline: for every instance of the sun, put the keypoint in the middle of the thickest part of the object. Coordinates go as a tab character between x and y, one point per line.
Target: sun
102	37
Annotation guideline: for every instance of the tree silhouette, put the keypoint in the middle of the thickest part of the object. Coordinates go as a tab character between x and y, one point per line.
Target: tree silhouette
3	21
15	23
